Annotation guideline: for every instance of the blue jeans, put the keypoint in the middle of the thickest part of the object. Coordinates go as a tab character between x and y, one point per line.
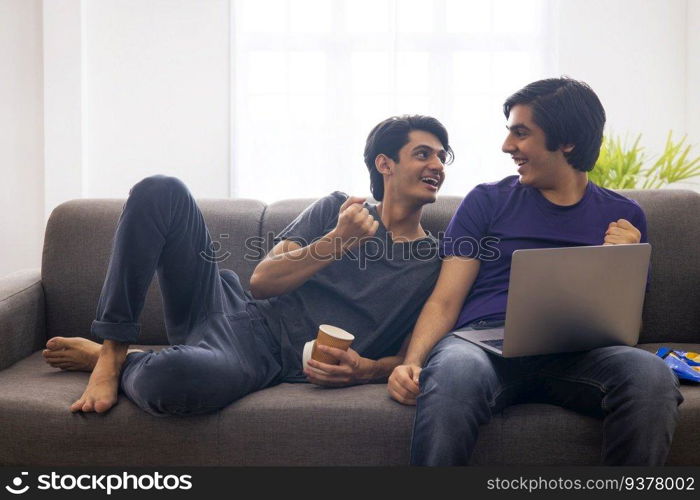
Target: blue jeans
462	386
220	348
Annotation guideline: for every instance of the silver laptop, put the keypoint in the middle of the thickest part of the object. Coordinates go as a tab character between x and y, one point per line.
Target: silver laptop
570	299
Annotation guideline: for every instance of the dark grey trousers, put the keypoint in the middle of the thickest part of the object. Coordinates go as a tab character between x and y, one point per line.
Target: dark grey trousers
220	348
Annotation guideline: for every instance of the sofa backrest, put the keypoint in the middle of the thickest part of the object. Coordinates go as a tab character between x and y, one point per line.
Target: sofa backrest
80	233
78	244
672	305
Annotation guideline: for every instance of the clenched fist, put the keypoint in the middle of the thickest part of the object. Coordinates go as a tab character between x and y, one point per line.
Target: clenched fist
355	223
621	232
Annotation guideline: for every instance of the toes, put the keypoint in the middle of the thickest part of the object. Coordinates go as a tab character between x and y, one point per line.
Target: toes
88	406
53	355
77	405
47	354
103	405
57	361
55	343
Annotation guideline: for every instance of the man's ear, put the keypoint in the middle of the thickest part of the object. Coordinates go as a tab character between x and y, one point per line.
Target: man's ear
567	148
384	164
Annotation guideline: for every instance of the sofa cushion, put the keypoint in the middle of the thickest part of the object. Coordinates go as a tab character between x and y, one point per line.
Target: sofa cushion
289	424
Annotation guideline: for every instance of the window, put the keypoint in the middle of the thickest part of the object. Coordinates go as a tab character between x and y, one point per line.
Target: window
312	77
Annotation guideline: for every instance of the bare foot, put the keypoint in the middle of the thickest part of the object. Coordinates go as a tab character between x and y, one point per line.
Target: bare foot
104	361
101	392
72	353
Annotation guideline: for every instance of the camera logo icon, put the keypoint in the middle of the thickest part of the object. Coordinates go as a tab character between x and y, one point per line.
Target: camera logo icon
17	482
214	247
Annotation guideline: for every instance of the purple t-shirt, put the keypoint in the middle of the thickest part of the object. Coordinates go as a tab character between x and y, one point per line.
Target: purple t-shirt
495	219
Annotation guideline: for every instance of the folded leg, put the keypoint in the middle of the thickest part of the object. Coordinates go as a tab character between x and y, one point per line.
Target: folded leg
161	229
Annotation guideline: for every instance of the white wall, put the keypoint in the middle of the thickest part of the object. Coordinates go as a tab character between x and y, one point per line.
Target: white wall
21	136
134	88
157	94
64	163
125	88
642	58
693	72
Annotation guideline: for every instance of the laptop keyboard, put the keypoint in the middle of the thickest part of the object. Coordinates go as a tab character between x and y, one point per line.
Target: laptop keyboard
497	343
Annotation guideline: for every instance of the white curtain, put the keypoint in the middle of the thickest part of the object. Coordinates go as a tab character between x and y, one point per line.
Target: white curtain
312	77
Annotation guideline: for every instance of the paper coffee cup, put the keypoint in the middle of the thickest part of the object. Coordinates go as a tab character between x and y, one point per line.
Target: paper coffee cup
306	356
331	336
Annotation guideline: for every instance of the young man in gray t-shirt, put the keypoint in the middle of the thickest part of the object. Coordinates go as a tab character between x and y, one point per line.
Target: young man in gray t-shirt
365	268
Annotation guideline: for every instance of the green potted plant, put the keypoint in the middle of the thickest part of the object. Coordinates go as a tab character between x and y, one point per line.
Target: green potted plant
620	166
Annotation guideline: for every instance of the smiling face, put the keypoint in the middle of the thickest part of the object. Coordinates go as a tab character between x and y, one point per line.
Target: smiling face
420	170
526	144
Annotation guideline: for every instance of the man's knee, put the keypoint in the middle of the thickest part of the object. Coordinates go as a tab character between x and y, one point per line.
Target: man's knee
644	374
156	186
459	368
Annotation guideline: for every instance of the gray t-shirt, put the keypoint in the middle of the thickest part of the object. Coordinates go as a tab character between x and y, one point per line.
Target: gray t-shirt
376	292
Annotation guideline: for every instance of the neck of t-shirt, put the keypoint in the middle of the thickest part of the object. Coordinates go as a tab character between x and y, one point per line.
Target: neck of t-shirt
569	195
402	225
560	208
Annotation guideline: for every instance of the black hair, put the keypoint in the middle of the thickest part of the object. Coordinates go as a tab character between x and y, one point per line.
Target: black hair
389	136
569	112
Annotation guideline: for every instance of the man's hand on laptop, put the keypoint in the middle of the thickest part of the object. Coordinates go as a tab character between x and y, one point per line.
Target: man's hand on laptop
621	232
403	384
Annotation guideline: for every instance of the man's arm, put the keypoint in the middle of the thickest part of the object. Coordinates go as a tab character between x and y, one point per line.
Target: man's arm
438	317
289	265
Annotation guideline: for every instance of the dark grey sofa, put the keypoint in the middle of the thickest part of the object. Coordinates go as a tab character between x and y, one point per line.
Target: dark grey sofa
291	424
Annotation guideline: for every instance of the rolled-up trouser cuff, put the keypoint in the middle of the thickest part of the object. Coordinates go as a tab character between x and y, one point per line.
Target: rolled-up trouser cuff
121	332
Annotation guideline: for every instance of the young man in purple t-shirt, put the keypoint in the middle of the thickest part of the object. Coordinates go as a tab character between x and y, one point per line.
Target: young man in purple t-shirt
555	129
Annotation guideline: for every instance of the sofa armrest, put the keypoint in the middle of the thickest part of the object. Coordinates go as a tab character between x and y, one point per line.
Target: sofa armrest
22	319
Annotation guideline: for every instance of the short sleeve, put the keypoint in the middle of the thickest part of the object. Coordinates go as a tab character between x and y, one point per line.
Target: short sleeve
469	225
315	221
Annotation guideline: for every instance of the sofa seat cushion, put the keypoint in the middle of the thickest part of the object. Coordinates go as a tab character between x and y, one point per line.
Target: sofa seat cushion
289	424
